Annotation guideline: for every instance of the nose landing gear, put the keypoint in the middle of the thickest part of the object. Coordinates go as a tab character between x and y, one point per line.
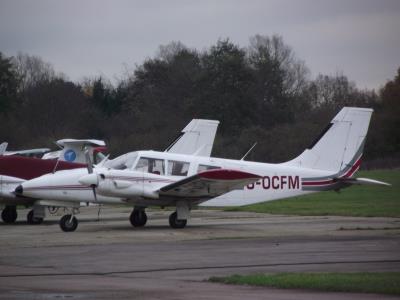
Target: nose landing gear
68	223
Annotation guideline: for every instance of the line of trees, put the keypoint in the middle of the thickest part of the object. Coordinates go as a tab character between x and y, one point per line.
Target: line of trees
261	93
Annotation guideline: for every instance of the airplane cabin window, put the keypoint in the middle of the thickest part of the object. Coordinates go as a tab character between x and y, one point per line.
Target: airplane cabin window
150	165
120	167
203	168
178	168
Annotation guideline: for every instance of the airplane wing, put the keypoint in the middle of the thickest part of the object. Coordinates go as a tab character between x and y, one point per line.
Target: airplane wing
29	152
209	184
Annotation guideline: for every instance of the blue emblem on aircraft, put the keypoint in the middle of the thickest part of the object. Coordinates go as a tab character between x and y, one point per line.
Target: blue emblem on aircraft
70	155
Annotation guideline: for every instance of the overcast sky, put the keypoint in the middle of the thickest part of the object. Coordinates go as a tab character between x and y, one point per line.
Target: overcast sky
360	38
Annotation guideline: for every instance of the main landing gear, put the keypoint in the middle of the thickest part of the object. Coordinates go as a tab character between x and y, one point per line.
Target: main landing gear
9	214
174	222
138	217
31	219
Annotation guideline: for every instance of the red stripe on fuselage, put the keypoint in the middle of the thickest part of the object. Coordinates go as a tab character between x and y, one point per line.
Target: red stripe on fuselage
348	174
353	169
316	183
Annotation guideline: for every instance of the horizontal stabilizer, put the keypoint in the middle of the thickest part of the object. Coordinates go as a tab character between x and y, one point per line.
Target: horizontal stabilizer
88	142
363	181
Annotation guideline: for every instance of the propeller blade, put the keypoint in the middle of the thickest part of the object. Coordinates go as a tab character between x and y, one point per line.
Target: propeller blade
94	192
88	162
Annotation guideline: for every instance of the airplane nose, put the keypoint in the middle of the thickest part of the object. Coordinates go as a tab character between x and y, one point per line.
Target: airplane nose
19	190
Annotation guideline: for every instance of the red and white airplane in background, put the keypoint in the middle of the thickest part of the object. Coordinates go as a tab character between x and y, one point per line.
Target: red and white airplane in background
149	178
18	166
196	138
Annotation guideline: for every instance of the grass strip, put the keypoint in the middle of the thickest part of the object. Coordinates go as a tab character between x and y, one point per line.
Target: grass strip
380	283
357	201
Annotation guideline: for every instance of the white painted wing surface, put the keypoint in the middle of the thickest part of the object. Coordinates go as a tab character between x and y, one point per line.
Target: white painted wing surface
209	184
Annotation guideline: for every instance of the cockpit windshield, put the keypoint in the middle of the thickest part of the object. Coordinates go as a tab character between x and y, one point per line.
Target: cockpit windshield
122	162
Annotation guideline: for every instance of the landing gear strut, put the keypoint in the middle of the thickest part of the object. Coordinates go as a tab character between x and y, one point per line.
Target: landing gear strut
31	219
68	223
138	217
9	214
174	222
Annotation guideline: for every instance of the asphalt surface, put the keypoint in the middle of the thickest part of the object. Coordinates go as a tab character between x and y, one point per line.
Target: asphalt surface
110	259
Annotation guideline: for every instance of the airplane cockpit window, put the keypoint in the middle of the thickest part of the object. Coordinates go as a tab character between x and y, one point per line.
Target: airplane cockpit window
203	168
150	165
122	162
120	167
178	168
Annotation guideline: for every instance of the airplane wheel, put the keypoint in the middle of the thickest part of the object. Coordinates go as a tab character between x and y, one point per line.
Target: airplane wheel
138	218
9	214
175	223
67	224
32	220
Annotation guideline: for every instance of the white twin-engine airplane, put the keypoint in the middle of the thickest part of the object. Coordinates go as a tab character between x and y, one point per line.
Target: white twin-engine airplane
149	178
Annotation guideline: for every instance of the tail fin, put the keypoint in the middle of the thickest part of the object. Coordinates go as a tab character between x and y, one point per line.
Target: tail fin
3	148
74	150
197	138
339	147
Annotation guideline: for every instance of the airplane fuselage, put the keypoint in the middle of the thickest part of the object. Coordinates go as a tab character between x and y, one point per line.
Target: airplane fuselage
277	181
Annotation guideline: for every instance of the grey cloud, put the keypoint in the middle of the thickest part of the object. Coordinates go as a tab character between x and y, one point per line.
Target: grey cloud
84	38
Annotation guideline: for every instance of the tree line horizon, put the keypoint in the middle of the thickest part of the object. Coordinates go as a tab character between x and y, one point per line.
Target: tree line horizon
260	93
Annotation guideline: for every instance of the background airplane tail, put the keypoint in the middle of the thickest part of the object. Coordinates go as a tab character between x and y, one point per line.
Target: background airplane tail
197	138
340	145
3	148
73	150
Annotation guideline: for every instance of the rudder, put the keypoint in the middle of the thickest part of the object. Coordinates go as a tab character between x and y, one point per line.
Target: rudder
339	148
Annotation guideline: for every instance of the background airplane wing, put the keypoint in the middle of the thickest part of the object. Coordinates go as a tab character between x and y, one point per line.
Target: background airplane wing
208	184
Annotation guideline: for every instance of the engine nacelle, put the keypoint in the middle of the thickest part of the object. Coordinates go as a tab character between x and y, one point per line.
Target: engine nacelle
124	189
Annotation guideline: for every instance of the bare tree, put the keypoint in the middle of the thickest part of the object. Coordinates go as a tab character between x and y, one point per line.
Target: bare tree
33	70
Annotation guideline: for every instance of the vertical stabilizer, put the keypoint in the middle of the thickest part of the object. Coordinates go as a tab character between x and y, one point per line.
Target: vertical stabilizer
197	138
3	148
340	146
74	150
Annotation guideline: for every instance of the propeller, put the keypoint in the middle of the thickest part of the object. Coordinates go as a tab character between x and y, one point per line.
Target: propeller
91	179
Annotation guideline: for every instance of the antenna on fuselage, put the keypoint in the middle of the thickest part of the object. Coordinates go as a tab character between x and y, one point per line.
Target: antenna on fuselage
247	153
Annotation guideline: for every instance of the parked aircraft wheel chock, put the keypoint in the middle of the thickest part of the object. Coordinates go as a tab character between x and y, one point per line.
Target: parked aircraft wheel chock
9	214
175	223
32	220
68	223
